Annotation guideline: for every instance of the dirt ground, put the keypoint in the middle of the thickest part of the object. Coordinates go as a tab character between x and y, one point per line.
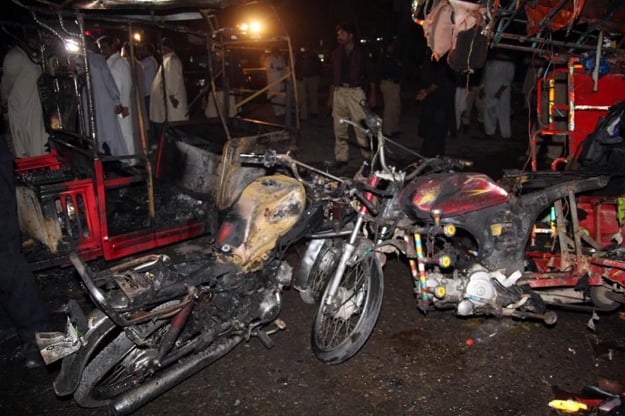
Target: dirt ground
412	365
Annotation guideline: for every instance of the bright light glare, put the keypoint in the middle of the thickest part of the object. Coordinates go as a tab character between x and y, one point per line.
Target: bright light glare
252	27
71	46
137	37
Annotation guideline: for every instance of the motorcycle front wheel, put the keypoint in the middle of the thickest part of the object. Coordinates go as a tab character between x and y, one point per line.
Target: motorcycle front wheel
343	325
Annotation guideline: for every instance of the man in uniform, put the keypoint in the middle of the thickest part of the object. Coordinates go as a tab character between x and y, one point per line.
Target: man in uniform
353	73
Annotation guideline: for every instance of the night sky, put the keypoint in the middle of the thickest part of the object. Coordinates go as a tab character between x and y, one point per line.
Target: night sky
312	22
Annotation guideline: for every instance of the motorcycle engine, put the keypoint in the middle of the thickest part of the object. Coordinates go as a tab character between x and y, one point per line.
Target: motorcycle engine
269	307
468	291
479	291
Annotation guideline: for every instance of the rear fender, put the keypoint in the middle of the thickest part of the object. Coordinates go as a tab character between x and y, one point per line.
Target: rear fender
99	327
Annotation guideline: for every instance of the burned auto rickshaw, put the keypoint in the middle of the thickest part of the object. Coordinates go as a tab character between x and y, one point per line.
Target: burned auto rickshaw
79	199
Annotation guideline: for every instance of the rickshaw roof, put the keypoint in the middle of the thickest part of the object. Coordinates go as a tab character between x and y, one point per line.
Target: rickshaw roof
153	6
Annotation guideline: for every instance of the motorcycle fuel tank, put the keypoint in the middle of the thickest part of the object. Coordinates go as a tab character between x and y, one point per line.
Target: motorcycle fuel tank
266	210
451	193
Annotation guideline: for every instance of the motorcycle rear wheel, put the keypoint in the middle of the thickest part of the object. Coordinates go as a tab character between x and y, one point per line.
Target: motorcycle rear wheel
106	376
342	328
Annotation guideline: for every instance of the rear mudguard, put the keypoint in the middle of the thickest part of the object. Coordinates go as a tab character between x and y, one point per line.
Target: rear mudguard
100	326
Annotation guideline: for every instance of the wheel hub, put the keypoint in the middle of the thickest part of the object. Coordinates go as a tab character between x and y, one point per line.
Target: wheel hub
348	303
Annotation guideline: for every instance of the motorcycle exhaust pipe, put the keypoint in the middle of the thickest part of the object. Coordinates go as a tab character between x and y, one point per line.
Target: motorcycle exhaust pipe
549	317
132	400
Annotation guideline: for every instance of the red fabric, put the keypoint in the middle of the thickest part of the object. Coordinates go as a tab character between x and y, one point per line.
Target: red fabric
565	17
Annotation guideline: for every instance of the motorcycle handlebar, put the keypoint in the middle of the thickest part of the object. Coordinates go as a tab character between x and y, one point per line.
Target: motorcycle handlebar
272	158
372	121
439	164
268	159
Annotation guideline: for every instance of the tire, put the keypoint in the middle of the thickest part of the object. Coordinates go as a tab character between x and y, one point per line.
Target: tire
91	391
319	272
340	331
598	295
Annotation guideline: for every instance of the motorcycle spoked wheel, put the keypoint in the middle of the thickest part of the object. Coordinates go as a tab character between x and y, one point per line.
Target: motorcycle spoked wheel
111	374
342	328
108	374
322	269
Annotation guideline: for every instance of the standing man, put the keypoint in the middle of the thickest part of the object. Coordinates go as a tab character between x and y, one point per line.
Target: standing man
21	308
106	103
436	94
168	97
390	79
20	97
120	70
498	76
275	68
353	72
150	66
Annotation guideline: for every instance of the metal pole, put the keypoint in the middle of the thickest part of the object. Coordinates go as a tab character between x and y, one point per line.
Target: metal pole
88	85
139	103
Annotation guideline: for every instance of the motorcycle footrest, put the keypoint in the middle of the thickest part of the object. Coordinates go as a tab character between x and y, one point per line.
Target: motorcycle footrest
56	345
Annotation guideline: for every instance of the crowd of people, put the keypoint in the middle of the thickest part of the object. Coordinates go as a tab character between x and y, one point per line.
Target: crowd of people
115	81
448	99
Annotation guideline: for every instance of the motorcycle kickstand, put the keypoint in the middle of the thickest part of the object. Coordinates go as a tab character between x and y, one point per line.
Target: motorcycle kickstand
264	336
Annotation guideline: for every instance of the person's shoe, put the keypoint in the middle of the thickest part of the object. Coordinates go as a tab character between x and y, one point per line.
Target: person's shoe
32	356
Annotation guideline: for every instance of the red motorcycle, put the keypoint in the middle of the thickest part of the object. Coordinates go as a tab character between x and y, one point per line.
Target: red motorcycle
509	249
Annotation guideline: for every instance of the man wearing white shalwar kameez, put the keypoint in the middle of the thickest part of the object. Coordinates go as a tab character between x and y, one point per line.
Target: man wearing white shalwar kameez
122	74
497	81
176	94
20	96
106	104
275	67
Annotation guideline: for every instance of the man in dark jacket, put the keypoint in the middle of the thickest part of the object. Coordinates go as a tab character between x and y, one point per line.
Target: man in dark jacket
20	306
437	92
353	74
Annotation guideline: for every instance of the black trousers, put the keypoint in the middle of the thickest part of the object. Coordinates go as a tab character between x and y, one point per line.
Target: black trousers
20	303
433	126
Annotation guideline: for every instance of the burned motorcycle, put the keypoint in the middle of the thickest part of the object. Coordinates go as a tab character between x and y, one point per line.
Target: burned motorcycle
468	243
158	320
